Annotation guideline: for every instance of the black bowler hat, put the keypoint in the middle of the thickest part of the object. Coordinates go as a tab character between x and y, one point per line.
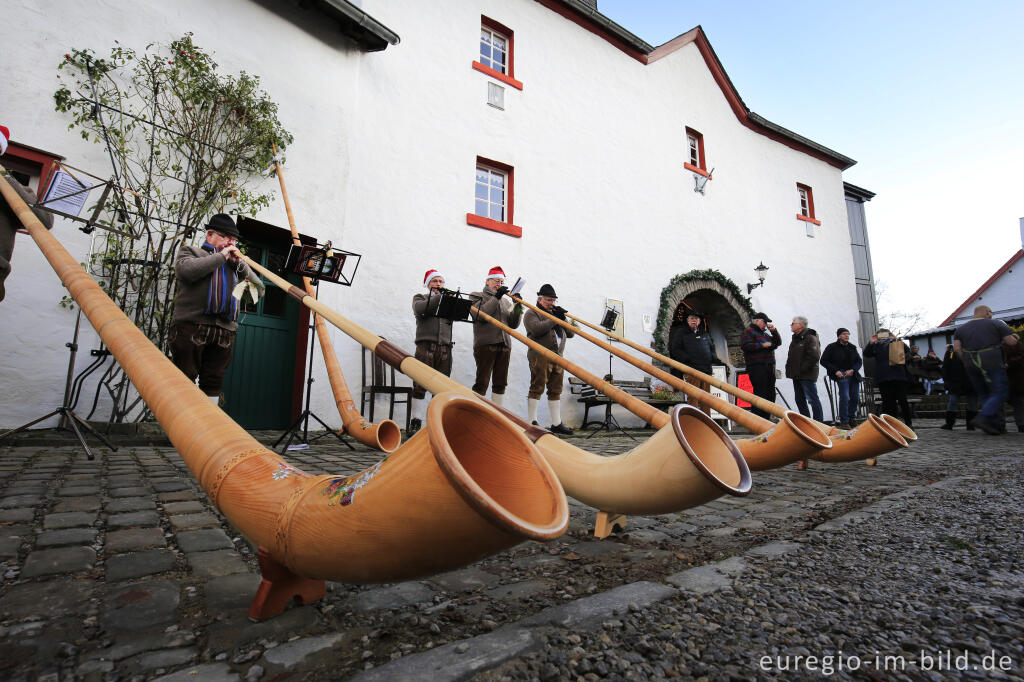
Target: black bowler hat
761	316
547	290
693	313
223	223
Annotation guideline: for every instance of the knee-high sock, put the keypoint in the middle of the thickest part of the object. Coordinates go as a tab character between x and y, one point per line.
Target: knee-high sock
419	409
215	399
555	407
531	405
498	398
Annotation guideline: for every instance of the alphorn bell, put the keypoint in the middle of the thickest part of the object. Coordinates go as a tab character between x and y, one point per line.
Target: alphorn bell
794	438
468	485
870	439
385	434
686	463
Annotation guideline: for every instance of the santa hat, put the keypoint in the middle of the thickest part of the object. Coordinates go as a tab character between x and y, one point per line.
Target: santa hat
5	137
431	274
496	272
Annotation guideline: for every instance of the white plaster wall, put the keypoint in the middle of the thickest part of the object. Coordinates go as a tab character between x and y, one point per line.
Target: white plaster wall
384	163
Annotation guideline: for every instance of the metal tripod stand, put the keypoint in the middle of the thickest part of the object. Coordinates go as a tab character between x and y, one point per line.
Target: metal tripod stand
303	420
68	419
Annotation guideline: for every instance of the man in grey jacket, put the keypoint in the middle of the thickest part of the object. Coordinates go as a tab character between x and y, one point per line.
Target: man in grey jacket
202	335
492	347
543	372
433	340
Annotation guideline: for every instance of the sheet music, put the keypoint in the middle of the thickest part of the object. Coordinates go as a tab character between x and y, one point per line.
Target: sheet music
56	194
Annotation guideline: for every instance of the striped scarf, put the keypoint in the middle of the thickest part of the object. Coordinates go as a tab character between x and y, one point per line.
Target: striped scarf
219	300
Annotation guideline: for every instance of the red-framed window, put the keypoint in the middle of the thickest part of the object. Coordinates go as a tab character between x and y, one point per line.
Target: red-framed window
493	192
497	56
696	159
806	198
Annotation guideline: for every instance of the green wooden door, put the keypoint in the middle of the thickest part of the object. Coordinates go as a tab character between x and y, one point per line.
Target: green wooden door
258	384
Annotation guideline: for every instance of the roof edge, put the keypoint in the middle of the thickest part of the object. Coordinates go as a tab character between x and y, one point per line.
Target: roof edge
1006	266
592	20
364	29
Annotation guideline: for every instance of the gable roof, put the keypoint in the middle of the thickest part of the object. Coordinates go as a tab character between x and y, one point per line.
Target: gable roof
1006	266
586	15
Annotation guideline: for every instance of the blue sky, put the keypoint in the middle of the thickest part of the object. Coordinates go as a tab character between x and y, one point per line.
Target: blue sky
928	97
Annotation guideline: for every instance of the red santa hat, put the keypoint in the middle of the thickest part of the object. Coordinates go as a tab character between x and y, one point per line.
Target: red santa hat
5	137
496	272
431	274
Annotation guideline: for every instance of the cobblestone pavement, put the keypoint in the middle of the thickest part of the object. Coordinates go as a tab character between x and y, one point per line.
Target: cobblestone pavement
120	568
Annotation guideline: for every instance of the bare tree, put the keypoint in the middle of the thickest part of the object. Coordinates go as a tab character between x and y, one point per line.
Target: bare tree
899	321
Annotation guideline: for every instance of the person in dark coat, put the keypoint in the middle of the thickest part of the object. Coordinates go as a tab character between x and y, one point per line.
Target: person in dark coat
891	377
692	345
842	362
954	378
758	343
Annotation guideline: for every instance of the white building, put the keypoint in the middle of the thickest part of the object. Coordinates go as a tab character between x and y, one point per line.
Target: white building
600	137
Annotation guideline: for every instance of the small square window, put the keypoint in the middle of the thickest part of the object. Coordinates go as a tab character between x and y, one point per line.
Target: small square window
496	95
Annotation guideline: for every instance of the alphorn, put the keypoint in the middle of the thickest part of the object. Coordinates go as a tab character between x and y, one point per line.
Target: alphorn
685	464
794	438
466	486
871	438
385	434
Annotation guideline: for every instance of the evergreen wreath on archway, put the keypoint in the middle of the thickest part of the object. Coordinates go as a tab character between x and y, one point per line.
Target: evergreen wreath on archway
664	309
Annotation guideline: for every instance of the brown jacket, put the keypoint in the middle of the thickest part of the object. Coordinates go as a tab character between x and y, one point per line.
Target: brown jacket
429	327
193	269
542	330
485	333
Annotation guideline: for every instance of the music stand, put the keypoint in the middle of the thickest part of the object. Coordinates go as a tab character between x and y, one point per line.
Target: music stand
68	419
323	262
611	316
453	306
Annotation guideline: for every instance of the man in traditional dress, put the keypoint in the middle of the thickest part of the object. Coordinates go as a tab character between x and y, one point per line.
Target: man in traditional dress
492	347
433	340
543	372
202	335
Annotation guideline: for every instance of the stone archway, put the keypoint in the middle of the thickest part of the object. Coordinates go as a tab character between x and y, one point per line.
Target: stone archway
717	297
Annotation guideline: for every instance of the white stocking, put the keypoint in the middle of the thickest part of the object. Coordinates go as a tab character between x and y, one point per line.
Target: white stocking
531	404
555	406
498	398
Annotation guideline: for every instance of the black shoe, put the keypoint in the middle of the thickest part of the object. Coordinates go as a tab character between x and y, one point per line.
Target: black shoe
415	425
534	423
985	425
561	430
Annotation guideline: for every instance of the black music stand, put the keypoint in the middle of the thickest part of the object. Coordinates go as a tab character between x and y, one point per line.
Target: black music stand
318	262
609	424
68	419
453	306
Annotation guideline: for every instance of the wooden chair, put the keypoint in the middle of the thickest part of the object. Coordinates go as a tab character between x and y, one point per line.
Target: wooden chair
380	380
